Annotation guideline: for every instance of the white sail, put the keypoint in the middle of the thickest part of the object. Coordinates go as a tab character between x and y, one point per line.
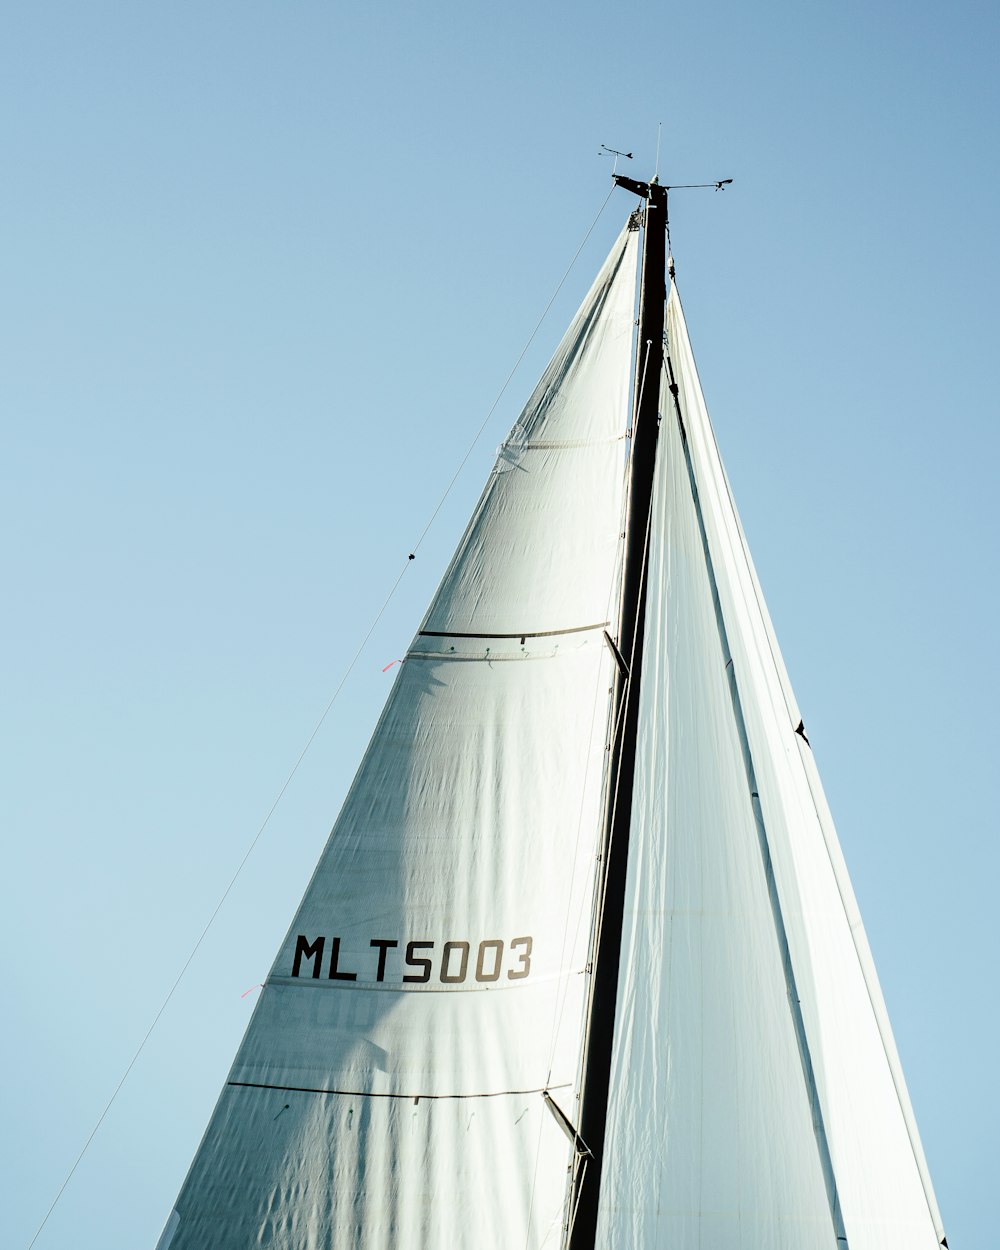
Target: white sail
388	1092
756	1099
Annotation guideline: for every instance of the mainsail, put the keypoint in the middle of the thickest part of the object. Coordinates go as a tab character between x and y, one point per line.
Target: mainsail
388	1093
419	1073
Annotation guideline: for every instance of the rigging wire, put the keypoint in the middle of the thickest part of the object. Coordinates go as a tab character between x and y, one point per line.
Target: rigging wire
319	724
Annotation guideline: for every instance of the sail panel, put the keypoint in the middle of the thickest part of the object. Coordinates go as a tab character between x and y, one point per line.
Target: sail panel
460	836
710	1138
551	479
881	1181
388	1093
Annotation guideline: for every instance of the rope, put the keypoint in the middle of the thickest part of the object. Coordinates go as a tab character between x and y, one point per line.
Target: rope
319	724
579	1194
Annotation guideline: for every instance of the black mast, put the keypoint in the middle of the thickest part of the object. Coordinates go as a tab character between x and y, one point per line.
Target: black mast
631	631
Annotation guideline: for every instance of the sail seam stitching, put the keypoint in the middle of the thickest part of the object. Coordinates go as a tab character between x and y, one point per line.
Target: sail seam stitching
360	1093
570	444
521	633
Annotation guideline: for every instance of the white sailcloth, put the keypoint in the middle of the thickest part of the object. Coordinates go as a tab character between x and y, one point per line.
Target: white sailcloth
756	1098
387	1095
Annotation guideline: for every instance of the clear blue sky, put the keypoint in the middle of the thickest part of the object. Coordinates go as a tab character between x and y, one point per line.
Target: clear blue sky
264	269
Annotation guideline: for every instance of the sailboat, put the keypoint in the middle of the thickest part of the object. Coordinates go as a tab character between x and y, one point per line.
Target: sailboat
580	965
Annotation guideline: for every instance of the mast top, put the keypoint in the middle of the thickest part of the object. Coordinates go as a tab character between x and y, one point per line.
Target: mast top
651	191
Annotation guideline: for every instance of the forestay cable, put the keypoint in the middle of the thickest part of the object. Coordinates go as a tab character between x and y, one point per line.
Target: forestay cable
319	724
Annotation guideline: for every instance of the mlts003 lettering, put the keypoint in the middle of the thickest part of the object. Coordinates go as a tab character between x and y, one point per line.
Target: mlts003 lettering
415	963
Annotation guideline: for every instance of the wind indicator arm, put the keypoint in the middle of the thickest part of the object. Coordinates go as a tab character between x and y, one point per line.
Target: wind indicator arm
643	189
626	156
695	186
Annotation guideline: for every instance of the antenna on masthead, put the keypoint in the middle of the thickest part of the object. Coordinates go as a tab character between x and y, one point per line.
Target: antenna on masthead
615	153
